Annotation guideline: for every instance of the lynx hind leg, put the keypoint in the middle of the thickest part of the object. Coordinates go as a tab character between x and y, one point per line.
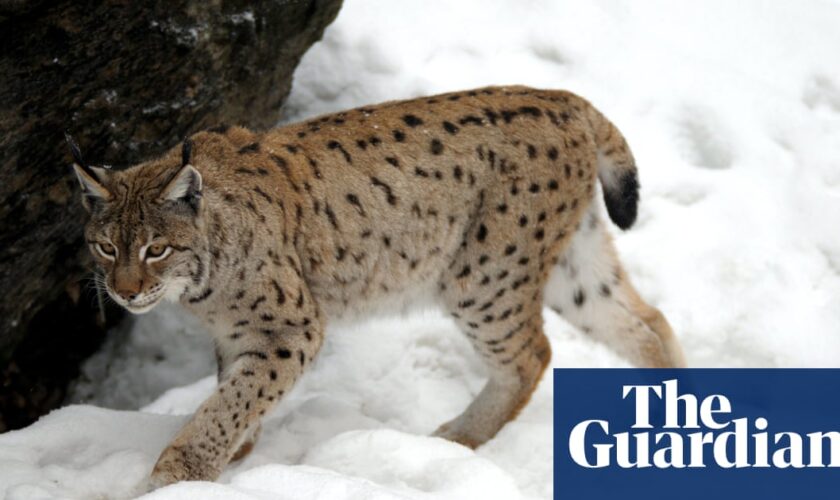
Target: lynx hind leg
517	353
498	305
590	289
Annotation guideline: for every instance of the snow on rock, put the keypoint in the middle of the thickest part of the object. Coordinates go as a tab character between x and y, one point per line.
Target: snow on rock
733	112
162	349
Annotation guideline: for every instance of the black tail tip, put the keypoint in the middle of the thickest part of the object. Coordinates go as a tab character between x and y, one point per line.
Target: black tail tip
623	200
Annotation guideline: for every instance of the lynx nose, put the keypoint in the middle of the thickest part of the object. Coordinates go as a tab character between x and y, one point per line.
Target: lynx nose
129	291
128	295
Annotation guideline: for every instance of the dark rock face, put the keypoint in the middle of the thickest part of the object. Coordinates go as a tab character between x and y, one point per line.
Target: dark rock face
128	80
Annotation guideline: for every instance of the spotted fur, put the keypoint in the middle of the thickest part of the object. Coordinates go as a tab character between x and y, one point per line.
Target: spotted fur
476	200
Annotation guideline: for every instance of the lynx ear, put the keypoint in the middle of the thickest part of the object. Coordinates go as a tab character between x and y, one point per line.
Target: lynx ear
90	178
184	186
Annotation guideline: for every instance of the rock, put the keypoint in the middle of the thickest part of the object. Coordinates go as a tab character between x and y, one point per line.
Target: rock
128	80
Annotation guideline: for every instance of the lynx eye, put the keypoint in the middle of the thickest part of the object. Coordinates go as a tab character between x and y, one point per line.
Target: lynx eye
156	251
106	250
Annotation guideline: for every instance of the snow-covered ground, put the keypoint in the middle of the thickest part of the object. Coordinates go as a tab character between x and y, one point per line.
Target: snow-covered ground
733	112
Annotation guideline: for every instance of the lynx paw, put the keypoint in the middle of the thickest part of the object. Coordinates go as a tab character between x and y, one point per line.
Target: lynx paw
453	432
181	463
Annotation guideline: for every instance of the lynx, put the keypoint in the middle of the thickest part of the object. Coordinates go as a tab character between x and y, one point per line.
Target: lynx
480	201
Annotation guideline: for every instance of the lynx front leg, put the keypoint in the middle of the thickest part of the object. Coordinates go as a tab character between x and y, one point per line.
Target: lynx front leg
250	439
263	358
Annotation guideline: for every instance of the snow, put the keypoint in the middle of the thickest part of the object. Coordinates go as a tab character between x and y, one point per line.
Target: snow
733	112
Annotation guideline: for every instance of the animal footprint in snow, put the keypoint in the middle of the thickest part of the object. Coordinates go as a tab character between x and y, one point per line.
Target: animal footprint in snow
822	91
702	139
686	194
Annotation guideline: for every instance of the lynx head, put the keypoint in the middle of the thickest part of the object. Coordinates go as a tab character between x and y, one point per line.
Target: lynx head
146	229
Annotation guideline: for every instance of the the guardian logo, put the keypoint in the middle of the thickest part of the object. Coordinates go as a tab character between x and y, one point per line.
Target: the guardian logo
697	434
734	442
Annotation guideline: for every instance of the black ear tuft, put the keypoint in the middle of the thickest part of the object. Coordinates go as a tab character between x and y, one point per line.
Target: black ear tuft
74	150
186	152
90	178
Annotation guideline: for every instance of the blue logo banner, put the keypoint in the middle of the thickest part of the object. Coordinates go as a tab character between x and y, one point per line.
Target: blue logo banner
714	434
